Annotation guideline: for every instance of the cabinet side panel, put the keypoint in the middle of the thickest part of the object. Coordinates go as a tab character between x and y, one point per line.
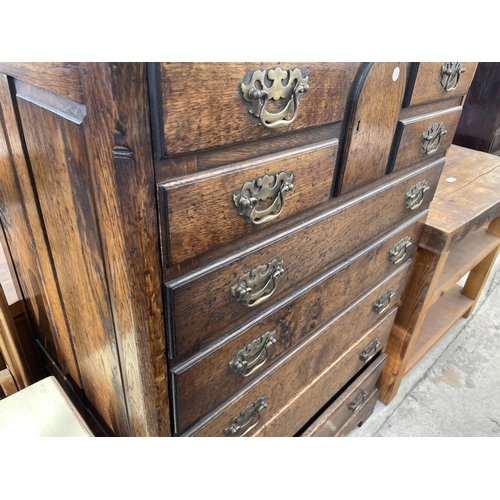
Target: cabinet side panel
60	170
24	234
119	148
61	78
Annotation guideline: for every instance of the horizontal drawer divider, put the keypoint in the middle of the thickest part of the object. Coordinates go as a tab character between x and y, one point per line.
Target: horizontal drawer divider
188	277
248	283
298	292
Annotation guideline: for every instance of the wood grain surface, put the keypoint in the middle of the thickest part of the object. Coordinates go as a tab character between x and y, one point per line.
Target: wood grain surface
216	115
331	422
319	390
464	205
61	78
334	350
408	137
194	321
373	118
56	149
200	385
124	190
425	83
86	191
26	240
200	212
11	348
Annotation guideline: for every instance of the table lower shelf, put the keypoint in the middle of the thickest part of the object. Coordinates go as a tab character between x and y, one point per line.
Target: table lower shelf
440	317
464	256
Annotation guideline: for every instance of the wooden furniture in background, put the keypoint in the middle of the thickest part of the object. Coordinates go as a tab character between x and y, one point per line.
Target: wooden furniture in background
479	125
19	366
11	351
455	242
217	249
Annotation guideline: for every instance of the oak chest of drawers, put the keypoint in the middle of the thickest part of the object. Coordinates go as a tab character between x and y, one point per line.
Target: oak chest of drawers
211	249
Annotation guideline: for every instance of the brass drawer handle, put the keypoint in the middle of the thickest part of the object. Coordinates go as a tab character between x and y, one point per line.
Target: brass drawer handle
274	186
370	350
268	273
450	75
257	93
245	421
384	301
415	196
398	251
431	138
358	401
242	361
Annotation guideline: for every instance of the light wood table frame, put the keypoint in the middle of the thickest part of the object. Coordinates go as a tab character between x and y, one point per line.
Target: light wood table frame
462	235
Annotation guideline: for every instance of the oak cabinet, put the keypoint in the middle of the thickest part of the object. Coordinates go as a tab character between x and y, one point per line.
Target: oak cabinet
217	249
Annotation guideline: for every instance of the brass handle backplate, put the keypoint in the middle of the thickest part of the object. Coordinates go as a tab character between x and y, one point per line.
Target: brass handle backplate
398	251
431	138
358	401
384	301
247	290
274	186
258	93
245	421
415	196
450	75
370	350
249	359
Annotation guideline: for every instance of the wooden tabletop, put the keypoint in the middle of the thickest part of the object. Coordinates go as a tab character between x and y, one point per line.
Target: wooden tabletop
467	197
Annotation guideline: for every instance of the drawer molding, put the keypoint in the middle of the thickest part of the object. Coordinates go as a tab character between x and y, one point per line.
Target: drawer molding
262	188
437	81
211	381
349	408
194	322
419	137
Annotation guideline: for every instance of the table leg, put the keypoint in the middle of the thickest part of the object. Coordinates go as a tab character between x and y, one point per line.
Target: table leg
414	304
479	274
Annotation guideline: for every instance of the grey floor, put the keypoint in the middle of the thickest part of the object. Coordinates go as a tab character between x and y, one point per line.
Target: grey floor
454	390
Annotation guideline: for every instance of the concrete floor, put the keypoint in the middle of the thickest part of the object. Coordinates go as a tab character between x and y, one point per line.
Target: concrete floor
454	390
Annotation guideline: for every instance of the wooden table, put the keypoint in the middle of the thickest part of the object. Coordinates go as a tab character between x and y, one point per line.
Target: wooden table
462	235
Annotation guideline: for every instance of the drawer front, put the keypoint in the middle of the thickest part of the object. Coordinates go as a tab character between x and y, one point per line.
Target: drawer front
206	105
361	415
318	359
435	81
201	385
348	404
205	212
208	303
424	136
